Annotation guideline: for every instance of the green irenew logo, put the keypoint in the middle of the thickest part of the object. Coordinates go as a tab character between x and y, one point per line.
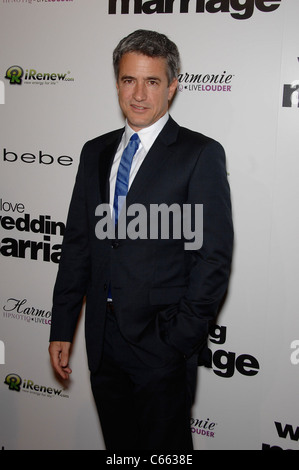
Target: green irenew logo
17	384
17	75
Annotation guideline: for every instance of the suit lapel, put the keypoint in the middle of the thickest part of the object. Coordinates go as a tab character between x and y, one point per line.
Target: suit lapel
155	159
105	163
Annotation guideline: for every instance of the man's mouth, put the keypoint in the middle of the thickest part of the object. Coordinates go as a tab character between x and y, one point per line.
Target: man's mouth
138	108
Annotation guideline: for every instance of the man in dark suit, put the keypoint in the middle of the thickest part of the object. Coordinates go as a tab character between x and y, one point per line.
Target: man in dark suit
150	294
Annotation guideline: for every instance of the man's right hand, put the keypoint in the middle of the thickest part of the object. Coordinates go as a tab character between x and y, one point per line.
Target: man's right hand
59	354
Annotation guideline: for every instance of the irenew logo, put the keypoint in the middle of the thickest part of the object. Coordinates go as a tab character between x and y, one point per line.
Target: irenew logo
16	75
15	383
238	9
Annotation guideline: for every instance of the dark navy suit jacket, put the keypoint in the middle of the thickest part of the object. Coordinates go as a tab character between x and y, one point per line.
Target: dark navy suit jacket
164	296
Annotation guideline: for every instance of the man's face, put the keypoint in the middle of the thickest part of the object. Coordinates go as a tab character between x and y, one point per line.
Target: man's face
143	89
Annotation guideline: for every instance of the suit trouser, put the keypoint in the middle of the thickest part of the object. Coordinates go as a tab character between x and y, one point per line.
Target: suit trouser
142	407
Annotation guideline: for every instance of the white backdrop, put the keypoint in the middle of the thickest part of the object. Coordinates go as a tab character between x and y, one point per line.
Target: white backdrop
57	91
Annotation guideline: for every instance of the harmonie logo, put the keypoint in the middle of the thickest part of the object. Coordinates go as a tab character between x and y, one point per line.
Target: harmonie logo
205	82
203	427
18	309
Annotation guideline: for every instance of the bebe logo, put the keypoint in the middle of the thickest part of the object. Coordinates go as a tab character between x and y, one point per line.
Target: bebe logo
41	158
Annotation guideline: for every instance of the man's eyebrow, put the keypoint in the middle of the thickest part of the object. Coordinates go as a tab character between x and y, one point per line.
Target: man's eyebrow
157	79
130	77
127	77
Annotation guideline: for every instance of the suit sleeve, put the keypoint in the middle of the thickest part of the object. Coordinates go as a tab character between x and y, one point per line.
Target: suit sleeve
210	264
74	266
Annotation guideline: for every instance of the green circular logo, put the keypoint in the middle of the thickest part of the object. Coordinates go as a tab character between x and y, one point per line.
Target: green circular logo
14	74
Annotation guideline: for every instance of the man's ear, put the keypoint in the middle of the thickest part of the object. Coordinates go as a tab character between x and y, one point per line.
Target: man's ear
172	88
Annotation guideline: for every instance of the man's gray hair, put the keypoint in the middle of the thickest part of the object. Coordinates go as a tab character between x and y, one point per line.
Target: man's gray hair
151	44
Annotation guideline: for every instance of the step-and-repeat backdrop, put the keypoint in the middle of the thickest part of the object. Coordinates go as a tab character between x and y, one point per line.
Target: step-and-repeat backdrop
239	83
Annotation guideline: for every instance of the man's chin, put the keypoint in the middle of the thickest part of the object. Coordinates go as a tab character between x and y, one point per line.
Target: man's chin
138	125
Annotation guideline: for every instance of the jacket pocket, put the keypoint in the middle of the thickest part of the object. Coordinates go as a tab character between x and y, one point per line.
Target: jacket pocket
166	295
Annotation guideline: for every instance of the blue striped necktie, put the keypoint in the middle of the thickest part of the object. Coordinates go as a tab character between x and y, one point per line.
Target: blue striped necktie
122	179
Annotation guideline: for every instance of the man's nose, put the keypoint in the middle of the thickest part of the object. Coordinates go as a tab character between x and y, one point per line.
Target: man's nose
140	91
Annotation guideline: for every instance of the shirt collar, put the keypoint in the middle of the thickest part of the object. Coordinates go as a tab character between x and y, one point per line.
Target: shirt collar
147	135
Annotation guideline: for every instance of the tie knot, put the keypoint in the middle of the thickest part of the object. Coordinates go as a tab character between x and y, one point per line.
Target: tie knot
135	138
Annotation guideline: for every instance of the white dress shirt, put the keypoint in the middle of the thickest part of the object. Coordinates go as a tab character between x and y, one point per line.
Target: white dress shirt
147	137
